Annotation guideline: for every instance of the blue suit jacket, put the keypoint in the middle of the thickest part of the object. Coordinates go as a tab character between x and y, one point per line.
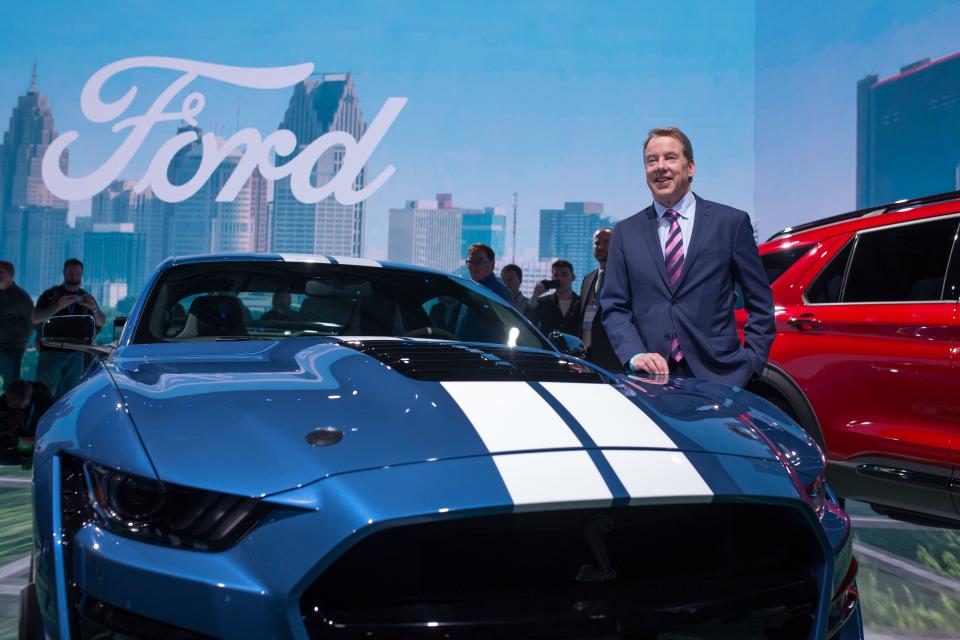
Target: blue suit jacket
640	309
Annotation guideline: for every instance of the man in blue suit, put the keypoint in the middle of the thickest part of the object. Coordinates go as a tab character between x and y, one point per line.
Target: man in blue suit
672	268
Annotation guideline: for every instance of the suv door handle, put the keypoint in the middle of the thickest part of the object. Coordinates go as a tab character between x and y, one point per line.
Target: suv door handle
804	322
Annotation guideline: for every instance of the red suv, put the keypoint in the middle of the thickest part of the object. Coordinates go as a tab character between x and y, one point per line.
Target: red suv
867	354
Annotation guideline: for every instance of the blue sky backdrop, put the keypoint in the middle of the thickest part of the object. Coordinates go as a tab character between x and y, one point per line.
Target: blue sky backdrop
550	99
810	57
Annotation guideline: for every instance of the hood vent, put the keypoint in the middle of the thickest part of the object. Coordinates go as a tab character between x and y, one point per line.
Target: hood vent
438	361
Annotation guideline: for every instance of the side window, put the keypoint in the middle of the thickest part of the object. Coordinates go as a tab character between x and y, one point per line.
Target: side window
826	288
775	264
901	264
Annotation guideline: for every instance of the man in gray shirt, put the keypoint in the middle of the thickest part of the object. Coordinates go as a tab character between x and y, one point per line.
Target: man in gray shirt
15	326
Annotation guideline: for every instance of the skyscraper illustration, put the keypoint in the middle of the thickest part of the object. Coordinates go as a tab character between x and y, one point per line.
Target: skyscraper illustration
323	103
26	140
908	132
427	233
568	233
436	234
200	224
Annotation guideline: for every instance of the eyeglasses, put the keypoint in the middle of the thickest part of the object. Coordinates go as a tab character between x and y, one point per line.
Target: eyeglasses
477	263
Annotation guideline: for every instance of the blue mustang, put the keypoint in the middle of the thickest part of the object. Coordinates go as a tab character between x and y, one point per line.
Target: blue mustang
308	447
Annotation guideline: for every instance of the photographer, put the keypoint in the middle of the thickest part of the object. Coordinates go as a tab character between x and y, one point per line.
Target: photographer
558	311
20	409
60	369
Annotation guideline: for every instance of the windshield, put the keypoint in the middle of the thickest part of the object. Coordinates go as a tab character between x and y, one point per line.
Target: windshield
248	300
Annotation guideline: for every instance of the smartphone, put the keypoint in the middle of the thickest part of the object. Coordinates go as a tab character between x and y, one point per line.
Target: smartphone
78	298
550	284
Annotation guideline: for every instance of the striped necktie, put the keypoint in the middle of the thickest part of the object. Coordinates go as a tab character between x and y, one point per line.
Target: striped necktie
673	256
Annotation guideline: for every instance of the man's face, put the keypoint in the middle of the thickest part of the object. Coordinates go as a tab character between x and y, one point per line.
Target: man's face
510	279
479	265
668	170
563	276
282	301
73	275
5	279
601	245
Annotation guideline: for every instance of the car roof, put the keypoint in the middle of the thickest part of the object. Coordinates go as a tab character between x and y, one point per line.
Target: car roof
845	223
294	257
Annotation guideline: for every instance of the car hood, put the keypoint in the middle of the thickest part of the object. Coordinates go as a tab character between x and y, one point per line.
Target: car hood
235	416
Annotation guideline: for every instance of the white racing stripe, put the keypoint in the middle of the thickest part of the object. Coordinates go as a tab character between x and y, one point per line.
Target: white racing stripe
552	479
357	262
511	416
303	257
649	475
609	417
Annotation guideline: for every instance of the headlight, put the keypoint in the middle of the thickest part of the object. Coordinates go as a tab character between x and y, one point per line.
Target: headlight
167	514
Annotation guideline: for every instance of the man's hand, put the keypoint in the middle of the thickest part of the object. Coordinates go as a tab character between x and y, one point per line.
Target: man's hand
538	291
89	302
653	363
63	303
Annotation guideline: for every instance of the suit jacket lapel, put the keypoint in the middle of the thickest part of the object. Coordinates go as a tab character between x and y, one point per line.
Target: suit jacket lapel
702	222
653	243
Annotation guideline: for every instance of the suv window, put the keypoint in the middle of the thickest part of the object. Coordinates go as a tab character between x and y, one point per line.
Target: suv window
901	264
828	285
776	263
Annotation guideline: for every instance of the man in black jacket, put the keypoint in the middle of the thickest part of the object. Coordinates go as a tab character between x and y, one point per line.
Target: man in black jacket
558	311
60	369
591	330
16	306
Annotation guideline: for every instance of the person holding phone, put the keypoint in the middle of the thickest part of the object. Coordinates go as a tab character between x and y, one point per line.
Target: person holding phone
560	310
60	369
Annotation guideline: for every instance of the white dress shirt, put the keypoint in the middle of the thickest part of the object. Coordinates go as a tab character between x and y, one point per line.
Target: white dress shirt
687	208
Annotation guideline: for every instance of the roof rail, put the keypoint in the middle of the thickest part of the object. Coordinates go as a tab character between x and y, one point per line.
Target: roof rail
877	210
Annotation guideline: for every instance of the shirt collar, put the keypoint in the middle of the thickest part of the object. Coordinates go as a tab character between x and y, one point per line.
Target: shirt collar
684	207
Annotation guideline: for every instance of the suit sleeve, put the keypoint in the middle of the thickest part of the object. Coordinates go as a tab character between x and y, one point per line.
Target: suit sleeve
616	303
748	272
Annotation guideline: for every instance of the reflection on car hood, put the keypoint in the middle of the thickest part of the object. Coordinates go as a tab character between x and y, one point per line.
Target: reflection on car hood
234	415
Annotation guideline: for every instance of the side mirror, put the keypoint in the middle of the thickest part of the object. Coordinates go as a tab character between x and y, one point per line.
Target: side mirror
64	331
118	323
568	344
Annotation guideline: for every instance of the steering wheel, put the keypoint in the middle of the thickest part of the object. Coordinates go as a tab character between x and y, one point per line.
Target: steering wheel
430	332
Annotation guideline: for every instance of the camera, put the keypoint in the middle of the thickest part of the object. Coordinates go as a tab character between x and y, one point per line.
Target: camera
550	284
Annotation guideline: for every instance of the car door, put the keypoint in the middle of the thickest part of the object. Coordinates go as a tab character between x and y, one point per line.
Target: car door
880	327
951	291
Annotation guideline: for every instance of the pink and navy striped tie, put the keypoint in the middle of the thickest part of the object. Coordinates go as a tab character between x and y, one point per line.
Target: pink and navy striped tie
673	256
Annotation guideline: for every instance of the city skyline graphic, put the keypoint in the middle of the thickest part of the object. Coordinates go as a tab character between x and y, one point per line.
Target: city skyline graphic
557	115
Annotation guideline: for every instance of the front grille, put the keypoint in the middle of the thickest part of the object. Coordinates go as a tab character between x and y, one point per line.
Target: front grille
691	569
451	361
